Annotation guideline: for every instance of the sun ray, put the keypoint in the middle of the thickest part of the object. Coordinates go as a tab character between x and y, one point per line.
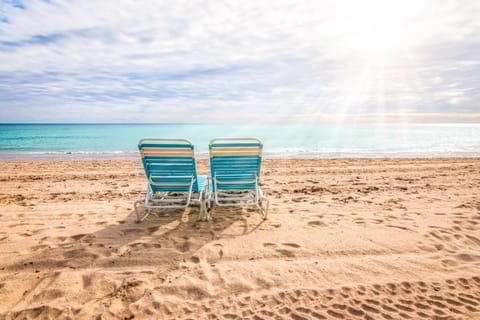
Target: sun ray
375	48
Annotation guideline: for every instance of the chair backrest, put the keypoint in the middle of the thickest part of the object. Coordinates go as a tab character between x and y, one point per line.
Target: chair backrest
236	160
170	162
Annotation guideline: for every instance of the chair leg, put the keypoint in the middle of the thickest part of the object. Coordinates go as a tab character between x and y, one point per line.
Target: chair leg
140	217
263	205
203	210
208	210
208	202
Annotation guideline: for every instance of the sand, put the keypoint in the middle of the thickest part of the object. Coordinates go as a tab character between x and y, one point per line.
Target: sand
345	239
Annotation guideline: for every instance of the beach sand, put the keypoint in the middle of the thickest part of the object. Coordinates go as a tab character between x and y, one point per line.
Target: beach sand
344	239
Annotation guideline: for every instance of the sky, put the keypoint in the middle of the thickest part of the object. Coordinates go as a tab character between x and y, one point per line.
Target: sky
222	61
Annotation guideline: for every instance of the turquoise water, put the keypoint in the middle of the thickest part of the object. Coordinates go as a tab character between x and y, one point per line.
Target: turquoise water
120	140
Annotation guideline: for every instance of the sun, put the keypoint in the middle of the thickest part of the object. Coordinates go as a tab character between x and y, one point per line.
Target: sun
371	42
375	41
376	29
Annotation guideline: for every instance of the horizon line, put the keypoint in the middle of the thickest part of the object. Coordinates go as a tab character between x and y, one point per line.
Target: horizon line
231	123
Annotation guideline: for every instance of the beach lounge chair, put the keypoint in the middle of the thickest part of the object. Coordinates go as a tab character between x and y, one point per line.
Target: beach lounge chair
171	171
235	165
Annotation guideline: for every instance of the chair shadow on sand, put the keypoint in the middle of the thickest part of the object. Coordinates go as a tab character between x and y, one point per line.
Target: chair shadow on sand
152	248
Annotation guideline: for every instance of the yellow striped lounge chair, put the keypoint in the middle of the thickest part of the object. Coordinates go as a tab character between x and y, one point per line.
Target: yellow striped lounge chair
170	167
235	165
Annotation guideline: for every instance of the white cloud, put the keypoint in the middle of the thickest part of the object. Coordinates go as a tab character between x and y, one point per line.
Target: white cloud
187	60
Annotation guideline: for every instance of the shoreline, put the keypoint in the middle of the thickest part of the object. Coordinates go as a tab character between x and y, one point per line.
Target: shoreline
20	157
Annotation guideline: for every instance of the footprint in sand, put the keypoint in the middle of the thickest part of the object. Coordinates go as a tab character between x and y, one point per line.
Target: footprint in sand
38	248
17	225
467	257
292	245
80	254
47	295
132	231
183	247
26	234
78	236
153	229
473	239
60	239
284	252
269	245
398	227
87	280
142	245
359	221
287	252
316	223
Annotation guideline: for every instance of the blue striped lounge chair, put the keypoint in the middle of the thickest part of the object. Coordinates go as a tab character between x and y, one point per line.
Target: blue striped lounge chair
170	167
235	165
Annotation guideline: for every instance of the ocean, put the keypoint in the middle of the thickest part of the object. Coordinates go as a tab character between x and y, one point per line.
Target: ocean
119	141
